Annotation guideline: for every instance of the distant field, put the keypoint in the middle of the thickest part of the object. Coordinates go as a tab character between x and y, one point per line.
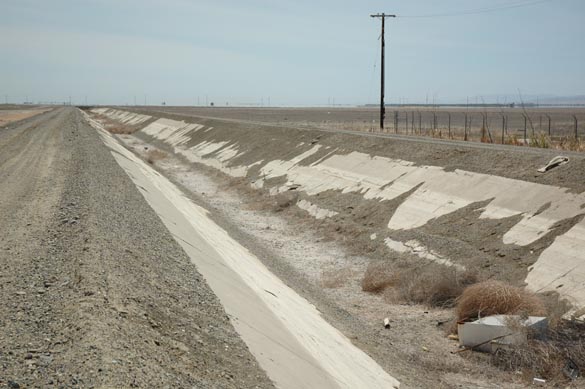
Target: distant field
506	125
12	113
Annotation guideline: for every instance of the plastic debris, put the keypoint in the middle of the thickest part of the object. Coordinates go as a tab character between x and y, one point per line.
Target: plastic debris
556	161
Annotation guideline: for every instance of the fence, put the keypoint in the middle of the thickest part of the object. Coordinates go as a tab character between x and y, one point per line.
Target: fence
506	126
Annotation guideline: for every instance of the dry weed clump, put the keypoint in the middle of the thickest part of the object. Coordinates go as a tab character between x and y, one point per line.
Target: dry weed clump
121	129
540	140
557	357
572	144
485	136
432	285
379	276
513	140
285	200
495	297
155	155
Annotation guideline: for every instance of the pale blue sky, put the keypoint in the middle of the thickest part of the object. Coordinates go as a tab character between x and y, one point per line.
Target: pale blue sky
293	52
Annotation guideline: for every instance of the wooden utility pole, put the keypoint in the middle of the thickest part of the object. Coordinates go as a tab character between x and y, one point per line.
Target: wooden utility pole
382	16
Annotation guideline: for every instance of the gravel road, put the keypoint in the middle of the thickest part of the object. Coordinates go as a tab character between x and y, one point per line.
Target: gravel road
95	291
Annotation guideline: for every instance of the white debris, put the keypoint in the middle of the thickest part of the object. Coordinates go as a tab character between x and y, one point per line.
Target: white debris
314	210
416	248
488	333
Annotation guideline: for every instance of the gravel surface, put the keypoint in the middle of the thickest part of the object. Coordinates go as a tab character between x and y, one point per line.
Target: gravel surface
95	292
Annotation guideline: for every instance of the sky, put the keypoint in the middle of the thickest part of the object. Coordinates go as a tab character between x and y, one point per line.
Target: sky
288	53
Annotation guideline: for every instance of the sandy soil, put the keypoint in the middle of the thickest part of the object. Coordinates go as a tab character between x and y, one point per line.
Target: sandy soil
13	115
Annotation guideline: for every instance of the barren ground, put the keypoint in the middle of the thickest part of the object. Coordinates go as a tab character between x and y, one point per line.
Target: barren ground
13	113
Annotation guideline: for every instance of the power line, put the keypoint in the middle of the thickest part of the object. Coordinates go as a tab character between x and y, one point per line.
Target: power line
477	10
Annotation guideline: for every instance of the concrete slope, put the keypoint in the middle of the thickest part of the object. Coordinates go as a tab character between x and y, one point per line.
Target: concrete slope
286	334
543	217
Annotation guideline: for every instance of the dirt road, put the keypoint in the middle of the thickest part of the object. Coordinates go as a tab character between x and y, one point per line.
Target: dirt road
95	291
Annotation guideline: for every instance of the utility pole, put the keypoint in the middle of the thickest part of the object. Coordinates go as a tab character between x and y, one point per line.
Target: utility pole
382	16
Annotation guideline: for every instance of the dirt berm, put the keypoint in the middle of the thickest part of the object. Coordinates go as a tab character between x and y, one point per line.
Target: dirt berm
473	206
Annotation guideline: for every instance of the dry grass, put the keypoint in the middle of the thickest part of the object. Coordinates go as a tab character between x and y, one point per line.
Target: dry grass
572	144
378	276
285	200
495	297
433	285
512	140
120	129
553	357
556	308
155	155
332	279
485	138
540	140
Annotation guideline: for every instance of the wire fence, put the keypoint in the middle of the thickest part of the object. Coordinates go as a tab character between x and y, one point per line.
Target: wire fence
539	128
553	127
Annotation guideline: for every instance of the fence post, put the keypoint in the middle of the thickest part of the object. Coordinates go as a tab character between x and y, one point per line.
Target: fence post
525	124
396	122
503	127
449	116
576	127
548	117
412	123
419	124
406	127
483	125
465	130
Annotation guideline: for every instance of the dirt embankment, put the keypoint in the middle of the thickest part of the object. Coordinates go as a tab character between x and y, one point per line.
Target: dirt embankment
95	291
